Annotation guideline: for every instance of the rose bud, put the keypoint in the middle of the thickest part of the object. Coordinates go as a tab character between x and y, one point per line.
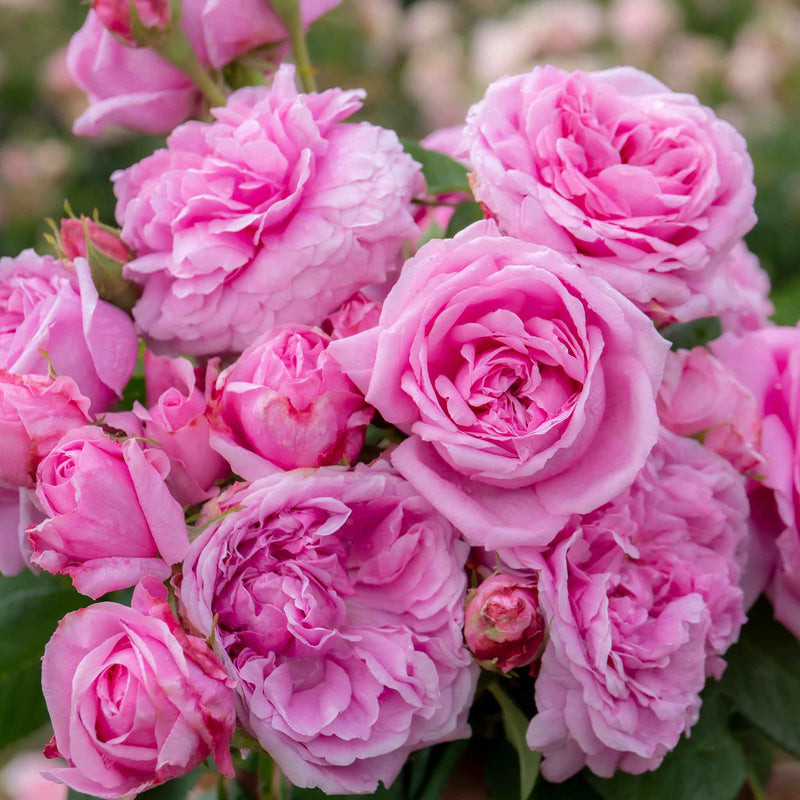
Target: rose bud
116	16
73	240
176	419
503	624
112	519
286	404
134	701
355	315
35	412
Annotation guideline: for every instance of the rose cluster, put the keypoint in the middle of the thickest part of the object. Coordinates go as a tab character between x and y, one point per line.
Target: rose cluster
343	471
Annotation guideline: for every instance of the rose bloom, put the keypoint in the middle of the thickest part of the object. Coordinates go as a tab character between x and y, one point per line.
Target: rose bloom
134	701
767	362
528	386
740	292
642	186
286	403
503	624
136	88
176	419
336	599
48	312
643	599
701	397
35	412
241	226
111	518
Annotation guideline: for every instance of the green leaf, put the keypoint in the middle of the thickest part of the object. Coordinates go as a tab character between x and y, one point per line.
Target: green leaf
709	765
447	757
574	789
500	768
697	333
516	725
30	608
464	215
763	678
442	174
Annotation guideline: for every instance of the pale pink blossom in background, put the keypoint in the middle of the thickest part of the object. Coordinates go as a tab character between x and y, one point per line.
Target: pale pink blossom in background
21	779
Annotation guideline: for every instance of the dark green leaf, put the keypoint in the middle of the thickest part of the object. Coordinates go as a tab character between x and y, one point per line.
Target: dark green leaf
30	608
447	757
759	753
463	216
763	678
500	769
442	174
516	726
697	333
574	789
709	765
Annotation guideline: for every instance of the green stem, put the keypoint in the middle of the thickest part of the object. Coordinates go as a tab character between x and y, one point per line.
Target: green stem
293	20
210	90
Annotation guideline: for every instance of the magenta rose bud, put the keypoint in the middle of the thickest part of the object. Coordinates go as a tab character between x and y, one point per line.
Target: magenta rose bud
35	412
641	186
73	241
176	420
702	398
527	386
111	518
642	598
52	317
336	598
285	403
134	701
116	15
240	227
503	625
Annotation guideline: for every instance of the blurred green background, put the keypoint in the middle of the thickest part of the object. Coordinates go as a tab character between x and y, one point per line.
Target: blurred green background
423	63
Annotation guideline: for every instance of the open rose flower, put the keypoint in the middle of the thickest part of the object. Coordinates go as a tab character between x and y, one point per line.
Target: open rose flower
135	87
529	386
643	599
740	292
176	420
285	403
35	412
701	397
503	624
111	518
767	362
134	701
48	312
336	600
642	186
240	226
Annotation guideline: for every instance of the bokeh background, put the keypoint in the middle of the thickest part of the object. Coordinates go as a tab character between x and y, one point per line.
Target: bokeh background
423	63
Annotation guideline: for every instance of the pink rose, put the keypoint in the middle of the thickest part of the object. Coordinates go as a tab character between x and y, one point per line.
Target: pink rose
49	312
642	186
767	362
285	404
134	701
111	519
643	599
17	513
35	412
528	386
136	88
116	15
503	624
354	315
336	598
73	241
220	261
176	419
740	293
701	397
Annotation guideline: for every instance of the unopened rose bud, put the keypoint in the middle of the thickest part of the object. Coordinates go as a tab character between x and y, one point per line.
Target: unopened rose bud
73	241
116	16
503	625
